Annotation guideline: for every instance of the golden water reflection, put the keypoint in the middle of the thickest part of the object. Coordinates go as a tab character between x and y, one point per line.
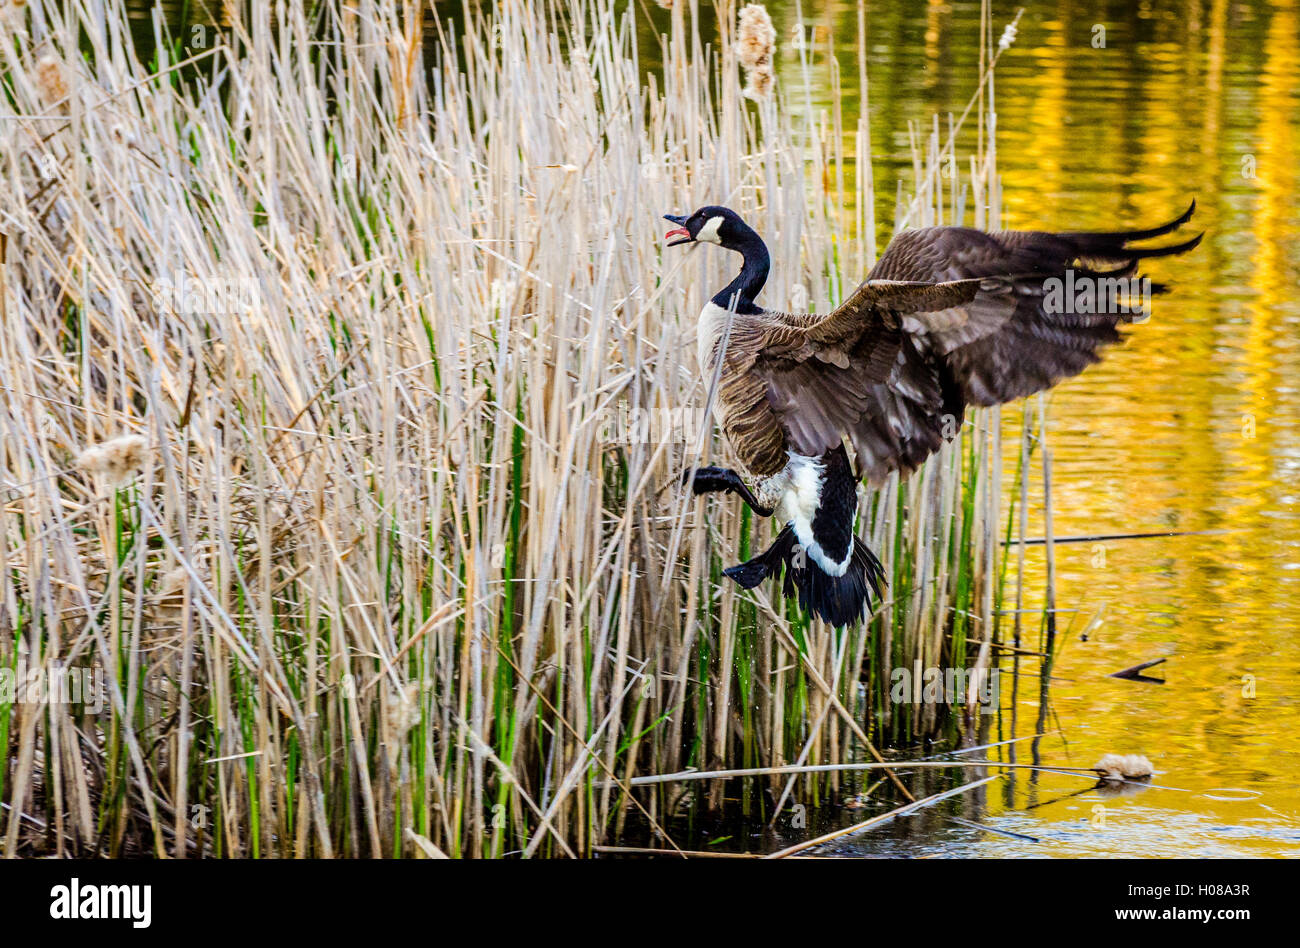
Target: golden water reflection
1193	425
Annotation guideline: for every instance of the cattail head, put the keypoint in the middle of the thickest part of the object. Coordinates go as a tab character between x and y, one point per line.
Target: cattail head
755	47
758	84
11	13
1124	767
1008	37
51	78
115	462
755	37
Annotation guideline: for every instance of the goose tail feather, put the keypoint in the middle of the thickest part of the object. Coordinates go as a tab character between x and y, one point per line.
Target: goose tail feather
840	600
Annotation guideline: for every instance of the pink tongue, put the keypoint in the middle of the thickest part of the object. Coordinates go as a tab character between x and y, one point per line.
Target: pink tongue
677	232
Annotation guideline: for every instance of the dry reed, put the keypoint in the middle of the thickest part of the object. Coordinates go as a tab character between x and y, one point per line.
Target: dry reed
392	566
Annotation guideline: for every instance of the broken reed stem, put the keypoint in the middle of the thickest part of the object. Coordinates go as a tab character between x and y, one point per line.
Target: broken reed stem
688	853
882	818
826	768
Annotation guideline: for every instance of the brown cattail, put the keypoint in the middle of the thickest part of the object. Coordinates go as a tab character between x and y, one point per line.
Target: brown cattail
116	461
51	78
755	37
759	83
755	47
1124	767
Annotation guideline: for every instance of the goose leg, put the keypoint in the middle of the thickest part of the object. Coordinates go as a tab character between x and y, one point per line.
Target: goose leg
707	480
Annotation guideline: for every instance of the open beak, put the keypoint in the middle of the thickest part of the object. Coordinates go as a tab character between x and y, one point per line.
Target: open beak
681	233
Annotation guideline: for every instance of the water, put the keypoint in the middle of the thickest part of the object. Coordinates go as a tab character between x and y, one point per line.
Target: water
1192	425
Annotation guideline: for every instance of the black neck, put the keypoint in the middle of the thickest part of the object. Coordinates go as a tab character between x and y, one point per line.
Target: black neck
753	274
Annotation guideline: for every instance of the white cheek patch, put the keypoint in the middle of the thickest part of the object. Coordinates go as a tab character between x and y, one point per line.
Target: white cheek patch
709	231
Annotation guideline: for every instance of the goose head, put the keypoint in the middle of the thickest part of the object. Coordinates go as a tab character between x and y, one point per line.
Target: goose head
711	224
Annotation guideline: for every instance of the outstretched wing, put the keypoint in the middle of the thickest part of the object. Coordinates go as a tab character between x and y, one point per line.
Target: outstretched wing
949	317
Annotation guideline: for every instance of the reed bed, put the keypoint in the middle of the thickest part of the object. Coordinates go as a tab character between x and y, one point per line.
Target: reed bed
364	320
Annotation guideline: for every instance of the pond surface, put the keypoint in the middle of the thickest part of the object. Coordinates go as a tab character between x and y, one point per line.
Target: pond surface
1192	425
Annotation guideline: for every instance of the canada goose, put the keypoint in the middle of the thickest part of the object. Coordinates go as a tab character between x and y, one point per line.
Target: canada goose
948	317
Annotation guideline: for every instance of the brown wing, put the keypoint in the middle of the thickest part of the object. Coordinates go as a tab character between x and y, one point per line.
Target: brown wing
822	376
949	316
998	352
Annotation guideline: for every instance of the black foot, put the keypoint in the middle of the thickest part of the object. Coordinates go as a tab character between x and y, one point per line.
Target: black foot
750	574
709	480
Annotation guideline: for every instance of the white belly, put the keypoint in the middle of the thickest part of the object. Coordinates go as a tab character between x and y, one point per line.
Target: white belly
796	493
800	494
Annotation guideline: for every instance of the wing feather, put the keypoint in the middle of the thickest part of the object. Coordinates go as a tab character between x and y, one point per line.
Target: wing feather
948	317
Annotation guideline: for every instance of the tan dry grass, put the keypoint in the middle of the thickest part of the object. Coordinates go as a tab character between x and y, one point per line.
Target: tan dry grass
394	577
